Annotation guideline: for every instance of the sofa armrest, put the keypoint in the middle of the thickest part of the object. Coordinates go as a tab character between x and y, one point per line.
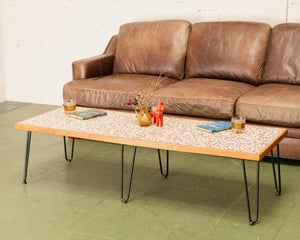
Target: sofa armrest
93	67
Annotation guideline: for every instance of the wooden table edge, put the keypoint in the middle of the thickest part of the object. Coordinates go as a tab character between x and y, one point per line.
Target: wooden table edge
156	145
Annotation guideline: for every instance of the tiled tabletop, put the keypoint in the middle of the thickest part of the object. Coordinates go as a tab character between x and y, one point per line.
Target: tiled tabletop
176	131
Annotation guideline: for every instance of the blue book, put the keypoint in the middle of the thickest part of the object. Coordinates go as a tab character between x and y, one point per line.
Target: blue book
87	114
215	126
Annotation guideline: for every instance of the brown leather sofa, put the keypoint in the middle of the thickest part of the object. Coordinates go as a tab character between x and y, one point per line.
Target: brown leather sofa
215	70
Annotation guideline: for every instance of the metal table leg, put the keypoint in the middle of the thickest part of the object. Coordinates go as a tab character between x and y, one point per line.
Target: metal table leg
277	184
252	222
27	157
131	173
72	150
164	175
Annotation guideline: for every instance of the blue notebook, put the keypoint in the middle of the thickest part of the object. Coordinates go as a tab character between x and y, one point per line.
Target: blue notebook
87	114
215	126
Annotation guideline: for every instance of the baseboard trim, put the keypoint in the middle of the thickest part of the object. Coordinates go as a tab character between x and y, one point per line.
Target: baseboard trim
2	96
51	97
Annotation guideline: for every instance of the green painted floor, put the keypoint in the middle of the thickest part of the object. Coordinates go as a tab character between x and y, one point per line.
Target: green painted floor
203	197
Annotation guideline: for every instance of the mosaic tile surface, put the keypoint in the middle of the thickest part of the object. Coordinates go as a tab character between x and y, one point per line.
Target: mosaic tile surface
175	130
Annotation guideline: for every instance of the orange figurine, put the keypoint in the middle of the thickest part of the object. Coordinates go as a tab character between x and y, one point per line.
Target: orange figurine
158	114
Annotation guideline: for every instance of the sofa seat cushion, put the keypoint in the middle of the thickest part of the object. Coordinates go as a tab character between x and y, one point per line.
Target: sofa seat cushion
213	98
157	47
272	103
110	91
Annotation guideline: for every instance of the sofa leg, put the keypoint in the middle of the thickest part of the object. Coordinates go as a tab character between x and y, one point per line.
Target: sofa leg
165	175
131	173
277	184
72	150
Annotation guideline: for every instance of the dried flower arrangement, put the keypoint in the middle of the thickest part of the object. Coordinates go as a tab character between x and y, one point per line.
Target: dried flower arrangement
145	97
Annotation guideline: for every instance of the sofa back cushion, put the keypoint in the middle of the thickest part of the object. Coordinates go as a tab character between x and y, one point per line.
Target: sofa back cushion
156	48
227	50
283	58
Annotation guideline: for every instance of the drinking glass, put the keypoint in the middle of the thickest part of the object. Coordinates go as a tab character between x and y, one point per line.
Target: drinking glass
69	106
238	124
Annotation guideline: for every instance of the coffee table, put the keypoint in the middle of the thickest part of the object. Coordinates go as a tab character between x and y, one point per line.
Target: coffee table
177	134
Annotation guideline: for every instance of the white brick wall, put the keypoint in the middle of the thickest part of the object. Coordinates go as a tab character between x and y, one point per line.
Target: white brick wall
41	38
2	83
293	13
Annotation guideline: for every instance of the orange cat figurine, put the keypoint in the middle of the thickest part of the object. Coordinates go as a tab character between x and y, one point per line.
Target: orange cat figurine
158	114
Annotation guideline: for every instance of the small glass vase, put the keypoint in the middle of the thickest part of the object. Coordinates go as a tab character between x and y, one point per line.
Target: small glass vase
143	116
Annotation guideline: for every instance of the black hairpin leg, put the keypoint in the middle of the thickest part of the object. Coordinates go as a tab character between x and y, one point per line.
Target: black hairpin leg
72	150
131	174
165	175
27	157
252	222
277	184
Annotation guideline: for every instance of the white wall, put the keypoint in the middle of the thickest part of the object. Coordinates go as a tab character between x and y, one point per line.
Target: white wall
41	38
2	82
